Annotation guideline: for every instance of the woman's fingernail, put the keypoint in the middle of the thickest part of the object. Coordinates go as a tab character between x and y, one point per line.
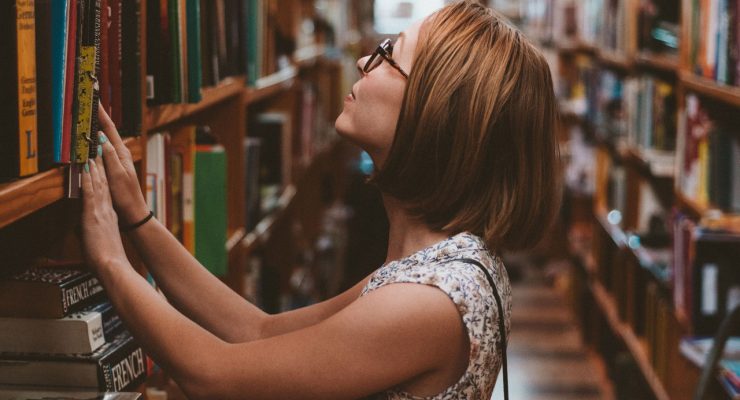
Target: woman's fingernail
100	150
103	139
87	167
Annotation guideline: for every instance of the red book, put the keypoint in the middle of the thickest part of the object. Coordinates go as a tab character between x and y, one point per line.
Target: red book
69	82
104	77
114	62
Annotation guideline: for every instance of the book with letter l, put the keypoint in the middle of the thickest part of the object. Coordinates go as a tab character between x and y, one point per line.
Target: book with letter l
18	152
82	332
48	293
118	365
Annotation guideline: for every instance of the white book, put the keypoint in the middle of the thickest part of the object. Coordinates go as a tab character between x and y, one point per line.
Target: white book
77	333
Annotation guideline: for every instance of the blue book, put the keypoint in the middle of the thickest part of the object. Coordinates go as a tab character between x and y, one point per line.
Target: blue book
59	23
195	70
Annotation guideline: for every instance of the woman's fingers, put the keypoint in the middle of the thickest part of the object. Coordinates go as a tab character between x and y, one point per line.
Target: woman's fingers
88	192
113	163
109	128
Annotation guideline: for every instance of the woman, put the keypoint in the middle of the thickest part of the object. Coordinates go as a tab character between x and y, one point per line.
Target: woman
458	114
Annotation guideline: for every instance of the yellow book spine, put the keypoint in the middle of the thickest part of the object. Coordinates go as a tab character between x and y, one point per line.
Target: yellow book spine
86	80
26	42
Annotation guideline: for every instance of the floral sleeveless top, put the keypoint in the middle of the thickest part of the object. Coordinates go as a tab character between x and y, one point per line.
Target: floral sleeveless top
468	288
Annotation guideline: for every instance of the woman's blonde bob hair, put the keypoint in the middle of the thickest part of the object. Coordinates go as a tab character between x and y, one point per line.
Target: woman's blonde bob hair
475	146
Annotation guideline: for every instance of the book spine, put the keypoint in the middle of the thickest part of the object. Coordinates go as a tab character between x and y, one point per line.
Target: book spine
59	28
173	13
131	68
70	83
104	56
124	369
79	293
195	75
86	80
26	59
114	61
94	139
44	84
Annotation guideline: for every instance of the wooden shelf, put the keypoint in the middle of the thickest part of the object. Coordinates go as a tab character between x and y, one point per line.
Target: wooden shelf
663	62
160	116
308	56
574	46
235	238
635	347
28	195
615	60
715	90
263	230
615	232
270	85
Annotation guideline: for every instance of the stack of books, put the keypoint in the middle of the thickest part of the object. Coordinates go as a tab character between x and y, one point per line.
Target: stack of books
58	331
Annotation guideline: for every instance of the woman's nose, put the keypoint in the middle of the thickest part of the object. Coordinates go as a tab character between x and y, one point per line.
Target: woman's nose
361	65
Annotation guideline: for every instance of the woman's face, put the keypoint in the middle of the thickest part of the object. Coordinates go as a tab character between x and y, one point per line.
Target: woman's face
372	108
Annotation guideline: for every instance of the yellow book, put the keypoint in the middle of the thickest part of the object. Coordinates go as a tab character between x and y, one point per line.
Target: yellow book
26	42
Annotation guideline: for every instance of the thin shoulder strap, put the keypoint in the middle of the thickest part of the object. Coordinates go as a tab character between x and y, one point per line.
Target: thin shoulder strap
501	324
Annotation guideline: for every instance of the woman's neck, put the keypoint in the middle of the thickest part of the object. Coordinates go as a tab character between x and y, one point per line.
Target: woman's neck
407	235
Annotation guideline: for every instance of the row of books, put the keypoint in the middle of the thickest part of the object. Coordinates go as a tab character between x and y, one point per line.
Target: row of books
64	57
709	157
186	182
58	331
193	44
638	111
598	23
706	283
715	40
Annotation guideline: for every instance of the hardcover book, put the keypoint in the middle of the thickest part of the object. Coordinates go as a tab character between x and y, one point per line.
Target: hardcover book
18	147
48	293
118	365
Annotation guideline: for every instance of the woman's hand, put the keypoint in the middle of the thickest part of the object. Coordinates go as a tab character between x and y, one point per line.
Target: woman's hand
124	184
100	236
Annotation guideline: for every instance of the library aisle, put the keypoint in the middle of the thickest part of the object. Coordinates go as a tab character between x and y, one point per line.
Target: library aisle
547	357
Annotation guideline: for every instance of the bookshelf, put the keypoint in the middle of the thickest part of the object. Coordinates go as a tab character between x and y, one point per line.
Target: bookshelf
312	158
26	196
631	268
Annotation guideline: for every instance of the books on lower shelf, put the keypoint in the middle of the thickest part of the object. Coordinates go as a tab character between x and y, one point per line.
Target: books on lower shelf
697	349
26	393
57	330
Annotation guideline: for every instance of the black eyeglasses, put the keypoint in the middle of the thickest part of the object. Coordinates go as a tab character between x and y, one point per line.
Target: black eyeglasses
383	52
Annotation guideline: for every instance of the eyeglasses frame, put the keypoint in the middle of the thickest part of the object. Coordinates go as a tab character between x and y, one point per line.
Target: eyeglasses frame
384	49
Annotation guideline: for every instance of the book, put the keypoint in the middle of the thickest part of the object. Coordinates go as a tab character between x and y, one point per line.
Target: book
80	332
18	148
88	69
211	208
14	392
119	365
48	293
155	176
70	83
696	349
44	71
252	146
60	13
195	74
183	149
115	36
131	65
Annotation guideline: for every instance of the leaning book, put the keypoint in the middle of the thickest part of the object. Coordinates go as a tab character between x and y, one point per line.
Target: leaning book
117	366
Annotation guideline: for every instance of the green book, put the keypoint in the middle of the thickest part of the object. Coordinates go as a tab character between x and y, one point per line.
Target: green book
253	12
195	73
210	208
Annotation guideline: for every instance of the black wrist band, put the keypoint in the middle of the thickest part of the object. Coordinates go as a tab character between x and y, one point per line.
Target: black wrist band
127	228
